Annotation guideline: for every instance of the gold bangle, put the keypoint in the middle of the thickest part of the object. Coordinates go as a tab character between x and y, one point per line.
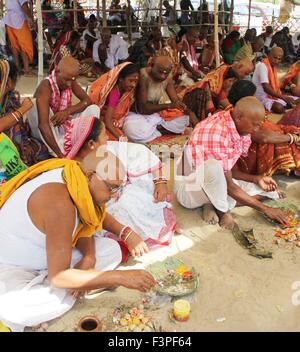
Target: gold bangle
128	235
160	182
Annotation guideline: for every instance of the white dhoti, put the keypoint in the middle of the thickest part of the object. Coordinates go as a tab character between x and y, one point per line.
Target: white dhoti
58	132
26	296
268	102
209	185
143	128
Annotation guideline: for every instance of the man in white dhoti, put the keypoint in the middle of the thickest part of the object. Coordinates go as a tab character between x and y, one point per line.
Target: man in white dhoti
49	254
267	84
109	50
209	175
50	119
155	93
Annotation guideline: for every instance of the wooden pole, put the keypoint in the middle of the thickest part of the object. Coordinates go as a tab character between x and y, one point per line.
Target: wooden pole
40	41
231	15
216	34
98	14
104	17
249	17
1	8
75	15
160	12
129	22
223	17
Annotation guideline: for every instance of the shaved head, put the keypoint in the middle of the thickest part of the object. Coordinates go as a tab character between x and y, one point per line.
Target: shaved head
105	174
248	115
107	166
67	72
258	44
250	106
69	65
243	68
161	68
163	61
276	51
275	56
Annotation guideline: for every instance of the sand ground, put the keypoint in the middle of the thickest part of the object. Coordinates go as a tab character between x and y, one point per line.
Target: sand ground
237	292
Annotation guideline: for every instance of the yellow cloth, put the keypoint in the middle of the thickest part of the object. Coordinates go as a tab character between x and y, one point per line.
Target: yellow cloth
91	217
4	328
246	52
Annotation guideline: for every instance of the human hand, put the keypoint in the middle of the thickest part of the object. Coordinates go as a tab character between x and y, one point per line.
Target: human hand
59	118
136	246
178	105
137	279
160	192
289	100
267	183
276	214
26	105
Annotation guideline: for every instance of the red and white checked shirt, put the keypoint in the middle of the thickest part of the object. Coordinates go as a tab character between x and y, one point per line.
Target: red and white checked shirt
216	137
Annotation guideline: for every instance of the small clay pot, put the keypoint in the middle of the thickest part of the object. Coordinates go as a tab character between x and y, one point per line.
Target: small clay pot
89	323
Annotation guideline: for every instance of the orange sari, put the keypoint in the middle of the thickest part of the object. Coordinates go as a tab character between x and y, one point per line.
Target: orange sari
212	82
292	72
272	76
266	159
99	91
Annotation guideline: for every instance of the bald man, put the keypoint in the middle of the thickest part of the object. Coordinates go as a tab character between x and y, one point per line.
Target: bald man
209	158
51	119
155	93
109	50
267	84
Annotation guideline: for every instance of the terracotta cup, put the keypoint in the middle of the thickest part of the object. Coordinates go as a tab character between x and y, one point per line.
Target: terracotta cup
89	323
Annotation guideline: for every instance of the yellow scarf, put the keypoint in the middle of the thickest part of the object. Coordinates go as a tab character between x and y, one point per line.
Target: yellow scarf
91	217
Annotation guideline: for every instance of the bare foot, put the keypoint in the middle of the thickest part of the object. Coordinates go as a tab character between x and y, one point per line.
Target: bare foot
209	214
178	229
227	221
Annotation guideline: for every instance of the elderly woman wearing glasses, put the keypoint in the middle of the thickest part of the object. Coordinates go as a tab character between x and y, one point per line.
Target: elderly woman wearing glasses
141	202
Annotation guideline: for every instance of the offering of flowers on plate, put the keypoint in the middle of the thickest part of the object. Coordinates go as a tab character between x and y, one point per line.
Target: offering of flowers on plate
174	278
132	319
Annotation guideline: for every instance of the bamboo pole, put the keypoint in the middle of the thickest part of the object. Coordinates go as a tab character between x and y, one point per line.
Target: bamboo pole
98	11
231	15
129	24
223	17
160	12
1	8
104	17
40	41
216	34
249	17
75	15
